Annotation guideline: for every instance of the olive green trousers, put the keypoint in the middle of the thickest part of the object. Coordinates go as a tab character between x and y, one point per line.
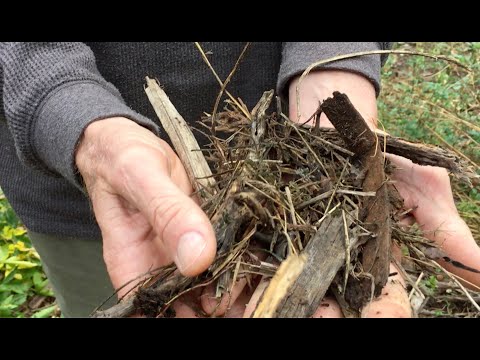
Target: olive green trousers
76	271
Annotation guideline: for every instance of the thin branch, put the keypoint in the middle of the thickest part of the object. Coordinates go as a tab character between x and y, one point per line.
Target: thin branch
204	57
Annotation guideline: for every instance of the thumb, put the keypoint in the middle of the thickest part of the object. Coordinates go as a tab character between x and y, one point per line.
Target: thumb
159	190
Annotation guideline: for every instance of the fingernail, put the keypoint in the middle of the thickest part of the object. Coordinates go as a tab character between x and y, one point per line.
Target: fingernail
190	247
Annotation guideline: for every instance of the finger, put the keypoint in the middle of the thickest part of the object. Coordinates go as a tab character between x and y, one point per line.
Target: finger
393	301
182	310
126	258
155	188
457	242
219	306
237	310
427	191
423	185
257	294
329	308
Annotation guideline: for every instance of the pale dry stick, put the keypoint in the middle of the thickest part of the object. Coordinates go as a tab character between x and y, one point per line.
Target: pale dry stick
293	216
327	213
372	293
436	72
290	204
241	161
420	277
363	53
354	192
182	138
451	276
456	298
285	232
417	303
205	58
235	275
347	251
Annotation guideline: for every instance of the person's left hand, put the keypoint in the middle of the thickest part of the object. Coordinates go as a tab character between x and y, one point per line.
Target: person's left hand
425	189
318	86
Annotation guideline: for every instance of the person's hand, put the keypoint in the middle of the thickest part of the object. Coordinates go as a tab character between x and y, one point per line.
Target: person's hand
140	194
318	86
425	189
428	192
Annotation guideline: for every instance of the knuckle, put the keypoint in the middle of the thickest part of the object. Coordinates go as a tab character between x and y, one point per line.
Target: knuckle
131	157
128	162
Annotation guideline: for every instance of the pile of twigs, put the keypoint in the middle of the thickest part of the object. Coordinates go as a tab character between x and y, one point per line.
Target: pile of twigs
277	189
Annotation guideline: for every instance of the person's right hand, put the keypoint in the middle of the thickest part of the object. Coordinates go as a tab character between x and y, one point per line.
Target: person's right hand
140	194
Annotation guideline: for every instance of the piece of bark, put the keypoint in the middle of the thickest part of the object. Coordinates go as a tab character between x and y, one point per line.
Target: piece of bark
419	153
183	140
325	254
362	141
286	275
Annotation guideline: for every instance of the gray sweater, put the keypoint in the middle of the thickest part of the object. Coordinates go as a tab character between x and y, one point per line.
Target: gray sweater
49	93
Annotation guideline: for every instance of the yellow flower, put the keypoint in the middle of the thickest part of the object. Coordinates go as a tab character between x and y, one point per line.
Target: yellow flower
20	245
8	232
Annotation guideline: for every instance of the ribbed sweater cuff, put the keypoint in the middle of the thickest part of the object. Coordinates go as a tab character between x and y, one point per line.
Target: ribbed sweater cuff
297	56
62	117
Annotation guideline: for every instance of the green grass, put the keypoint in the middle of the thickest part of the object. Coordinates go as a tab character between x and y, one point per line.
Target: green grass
422	99
24	288
437	102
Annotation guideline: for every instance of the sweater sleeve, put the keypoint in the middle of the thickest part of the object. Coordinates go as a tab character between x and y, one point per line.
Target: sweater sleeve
297	56
50	92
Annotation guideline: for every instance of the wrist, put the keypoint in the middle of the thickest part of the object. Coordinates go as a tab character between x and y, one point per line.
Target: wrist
319	85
